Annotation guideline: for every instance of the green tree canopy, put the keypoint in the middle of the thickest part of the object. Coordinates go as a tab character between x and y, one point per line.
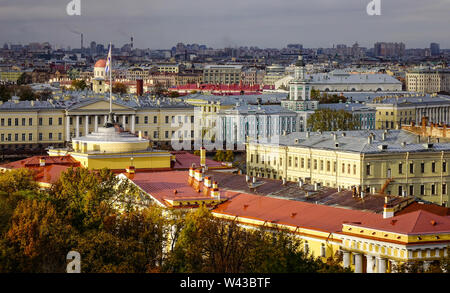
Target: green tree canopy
119	88
24	79
78	85
331	120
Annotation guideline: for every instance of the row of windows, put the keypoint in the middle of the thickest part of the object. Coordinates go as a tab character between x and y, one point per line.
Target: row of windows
23	121
411	168
432	190
345	168
146	120
23	136
317	164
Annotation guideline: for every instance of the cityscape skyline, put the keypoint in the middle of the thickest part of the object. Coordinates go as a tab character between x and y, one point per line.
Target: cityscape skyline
264	24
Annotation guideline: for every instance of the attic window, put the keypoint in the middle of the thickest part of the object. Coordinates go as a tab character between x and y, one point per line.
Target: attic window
362	231
398	237
393	222
245	206
349	229
373	233
433	222
386	235
293	215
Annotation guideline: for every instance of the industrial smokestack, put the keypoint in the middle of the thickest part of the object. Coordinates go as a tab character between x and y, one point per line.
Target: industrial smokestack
82	42
132	42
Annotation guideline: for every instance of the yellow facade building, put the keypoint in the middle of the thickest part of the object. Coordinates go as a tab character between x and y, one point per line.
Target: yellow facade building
110	146
53	123
388	162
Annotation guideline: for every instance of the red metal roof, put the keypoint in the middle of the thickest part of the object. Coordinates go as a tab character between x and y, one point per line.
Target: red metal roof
50	173
417	222
162	186
49	160
327	218
100	63
281	211
184	161
432	208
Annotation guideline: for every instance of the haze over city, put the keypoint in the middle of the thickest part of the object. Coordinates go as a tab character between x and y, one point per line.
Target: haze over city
160	24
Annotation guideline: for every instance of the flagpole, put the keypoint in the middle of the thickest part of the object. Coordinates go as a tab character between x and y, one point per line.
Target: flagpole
110	79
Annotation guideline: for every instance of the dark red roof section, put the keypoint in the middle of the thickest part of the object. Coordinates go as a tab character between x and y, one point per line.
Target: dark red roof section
162	186
432	208
184	161
50	172
327	218
49	160
291	212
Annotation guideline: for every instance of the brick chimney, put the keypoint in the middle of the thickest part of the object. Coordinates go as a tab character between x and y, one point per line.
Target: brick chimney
198	178
191	176
131	170
215	193
388	211
207	186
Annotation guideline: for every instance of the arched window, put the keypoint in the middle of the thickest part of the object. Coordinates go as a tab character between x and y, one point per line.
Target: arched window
306	246
323	252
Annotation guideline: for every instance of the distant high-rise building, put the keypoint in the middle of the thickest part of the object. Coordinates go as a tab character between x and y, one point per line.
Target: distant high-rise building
93	48
295	46
435	49
382	49
100	49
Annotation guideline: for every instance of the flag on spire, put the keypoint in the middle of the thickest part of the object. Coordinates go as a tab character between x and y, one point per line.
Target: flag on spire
108	61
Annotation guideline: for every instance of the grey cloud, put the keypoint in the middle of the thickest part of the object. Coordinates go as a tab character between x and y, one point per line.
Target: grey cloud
162	23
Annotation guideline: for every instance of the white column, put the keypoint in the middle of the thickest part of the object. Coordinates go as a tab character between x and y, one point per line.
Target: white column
346	259
123	122
86	127
105	119
96	123
77	126
358	263
370	264
381	265
133	122
68	128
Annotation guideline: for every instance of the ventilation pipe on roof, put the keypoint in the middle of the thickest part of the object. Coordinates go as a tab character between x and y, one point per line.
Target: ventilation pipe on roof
388	209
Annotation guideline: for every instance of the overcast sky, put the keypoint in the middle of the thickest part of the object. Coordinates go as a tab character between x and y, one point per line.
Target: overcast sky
160	24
